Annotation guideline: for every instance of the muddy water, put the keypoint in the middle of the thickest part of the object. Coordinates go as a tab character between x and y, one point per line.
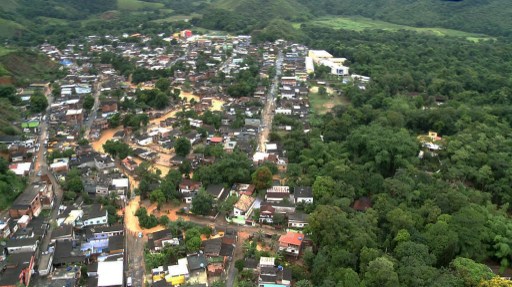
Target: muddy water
105	136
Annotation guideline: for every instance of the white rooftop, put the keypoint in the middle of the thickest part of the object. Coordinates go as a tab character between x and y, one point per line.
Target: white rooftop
267	261
110	273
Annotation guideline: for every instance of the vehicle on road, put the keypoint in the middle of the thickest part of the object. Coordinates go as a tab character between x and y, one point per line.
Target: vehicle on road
129	281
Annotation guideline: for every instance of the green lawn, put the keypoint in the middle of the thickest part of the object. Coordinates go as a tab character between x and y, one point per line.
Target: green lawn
321	104
134	5
4	51
362	23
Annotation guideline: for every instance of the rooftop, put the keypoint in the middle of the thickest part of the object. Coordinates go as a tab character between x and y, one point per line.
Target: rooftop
303	191
244	202
110	273
292	238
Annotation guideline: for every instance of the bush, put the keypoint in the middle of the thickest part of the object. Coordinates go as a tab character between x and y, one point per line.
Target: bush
163	220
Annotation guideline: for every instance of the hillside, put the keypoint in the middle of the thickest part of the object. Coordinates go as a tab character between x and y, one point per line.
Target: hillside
26	66
31	18
490	17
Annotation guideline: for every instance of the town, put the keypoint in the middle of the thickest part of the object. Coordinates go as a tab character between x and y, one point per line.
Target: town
176	174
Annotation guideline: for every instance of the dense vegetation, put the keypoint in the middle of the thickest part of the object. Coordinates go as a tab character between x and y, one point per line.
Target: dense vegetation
488	17
10	185
431	217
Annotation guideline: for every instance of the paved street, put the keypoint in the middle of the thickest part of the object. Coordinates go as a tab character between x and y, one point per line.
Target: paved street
267	114
135	258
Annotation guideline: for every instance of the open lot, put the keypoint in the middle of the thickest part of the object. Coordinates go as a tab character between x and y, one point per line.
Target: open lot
137	5
322	104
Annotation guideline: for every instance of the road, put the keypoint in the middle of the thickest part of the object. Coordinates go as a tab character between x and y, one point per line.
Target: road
267	114
134	260
94	110
41	167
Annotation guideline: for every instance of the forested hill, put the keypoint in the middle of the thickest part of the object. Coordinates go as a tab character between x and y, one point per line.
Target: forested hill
489	16
22	17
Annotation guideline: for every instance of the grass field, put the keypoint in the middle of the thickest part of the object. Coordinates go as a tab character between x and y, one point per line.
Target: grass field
321	104
134	5
361	23
176	18
5	51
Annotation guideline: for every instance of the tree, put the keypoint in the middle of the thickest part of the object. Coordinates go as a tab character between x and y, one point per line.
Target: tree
157	196
381	273
322	91
114	121
88	102
182	146
73	182
193	244
164	220
185	167
38	102
239	265
442	241
384	148
202	203
304	283
227	205
262	178
471	272
163	84
117	149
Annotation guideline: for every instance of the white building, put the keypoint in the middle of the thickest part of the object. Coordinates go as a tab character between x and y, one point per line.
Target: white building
110	273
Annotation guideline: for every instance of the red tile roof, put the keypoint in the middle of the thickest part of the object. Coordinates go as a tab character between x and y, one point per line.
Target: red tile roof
292	238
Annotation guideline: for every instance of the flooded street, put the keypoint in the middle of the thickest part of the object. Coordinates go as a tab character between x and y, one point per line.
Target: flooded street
105	136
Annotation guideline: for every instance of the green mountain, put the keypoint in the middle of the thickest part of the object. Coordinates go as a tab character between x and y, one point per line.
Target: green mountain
490	17
33	18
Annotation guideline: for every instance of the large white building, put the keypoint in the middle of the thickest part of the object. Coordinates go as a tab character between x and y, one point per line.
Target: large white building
321	57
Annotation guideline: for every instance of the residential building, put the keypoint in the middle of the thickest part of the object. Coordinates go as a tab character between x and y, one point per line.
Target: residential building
218	191
103	232
244	205
303	194
28	203
297	220
291	243
63	232
277	193
18	270
94	214
158	240
110	273
188	189
22	245
267	214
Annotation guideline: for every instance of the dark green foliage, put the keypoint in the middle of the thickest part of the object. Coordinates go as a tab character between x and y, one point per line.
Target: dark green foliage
202	203
145	220
73	184
117	149
487	17
262	178
182	146
229	168
9	92
88	102
38	102
10	185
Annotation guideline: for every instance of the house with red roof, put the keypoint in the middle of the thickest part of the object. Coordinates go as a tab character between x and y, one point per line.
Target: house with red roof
291	243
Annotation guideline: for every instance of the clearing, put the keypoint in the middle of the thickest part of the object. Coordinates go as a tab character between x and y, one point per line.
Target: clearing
361	23
135	5
321	104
